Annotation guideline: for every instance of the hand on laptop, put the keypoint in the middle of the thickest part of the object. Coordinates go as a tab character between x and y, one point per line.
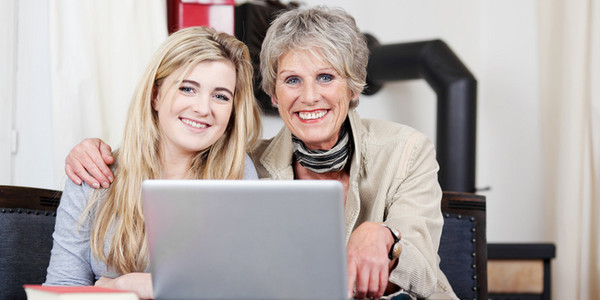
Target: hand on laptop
368	261
139	283
88	161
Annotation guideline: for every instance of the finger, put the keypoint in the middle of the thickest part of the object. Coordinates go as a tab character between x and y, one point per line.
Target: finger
362	283
373	289
87	155
78	170
351	279
91	164
72	175
102	281
106	152
383	282
103	161
86	177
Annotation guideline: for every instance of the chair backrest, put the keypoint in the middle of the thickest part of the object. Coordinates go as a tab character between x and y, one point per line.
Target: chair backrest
463	246
27	217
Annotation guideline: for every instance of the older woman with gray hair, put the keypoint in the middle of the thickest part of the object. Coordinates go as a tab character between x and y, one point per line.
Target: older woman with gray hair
313	64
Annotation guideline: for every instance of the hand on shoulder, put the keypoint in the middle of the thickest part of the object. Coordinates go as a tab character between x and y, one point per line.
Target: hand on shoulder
88	161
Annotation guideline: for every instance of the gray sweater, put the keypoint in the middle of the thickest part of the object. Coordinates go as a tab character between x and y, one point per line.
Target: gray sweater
71	259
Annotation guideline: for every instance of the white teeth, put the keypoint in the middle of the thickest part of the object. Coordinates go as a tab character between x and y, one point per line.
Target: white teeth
312	115
193	124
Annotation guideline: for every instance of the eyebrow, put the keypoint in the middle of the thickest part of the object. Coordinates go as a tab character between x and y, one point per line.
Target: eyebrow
223	89
192	82
329	69
197	85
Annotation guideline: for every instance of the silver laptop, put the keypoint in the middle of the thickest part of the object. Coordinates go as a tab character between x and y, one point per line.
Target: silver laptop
246	239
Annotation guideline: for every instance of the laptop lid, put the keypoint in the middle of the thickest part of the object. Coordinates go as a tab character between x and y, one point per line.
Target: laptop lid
246	239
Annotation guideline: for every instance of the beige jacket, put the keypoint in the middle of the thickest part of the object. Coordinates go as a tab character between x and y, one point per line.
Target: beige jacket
393	178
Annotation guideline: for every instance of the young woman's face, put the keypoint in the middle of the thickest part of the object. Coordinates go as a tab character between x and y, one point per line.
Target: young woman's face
193	113
312	98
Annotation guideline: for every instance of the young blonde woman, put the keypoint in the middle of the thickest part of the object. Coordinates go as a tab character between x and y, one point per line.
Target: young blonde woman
193	116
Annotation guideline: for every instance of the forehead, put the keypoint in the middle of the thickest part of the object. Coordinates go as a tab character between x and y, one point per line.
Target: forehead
303	59
222	71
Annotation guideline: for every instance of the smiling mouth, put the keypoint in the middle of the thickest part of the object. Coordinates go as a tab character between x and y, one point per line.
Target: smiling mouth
194	124
311	115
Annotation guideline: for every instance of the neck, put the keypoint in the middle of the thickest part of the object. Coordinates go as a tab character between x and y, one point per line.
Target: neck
175	167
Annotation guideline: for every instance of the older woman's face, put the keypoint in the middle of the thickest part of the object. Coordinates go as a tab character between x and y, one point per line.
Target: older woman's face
312	98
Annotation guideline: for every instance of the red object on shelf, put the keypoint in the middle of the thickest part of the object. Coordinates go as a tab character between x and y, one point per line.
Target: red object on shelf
218	14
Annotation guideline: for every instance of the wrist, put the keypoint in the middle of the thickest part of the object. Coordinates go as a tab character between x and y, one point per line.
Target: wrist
395	248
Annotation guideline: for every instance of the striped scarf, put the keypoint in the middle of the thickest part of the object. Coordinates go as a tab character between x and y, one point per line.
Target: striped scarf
322	161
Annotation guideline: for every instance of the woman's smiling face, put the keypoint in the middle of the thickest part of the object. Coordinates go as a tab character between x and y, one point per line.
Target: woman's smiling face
194	113
312	98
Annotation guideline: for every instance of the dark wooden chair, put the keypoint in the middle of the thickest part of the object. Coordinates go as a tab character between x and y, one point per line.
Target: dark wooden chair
27	217
463	246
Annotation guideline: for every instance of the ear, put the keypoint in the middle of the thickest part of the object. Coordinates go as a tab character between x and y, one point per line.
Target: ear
274	101
155	99
354	95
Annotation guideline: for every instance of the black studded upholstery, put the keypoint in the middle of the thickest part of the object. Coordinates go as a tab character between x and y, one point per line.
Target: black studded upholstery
27	217
463	246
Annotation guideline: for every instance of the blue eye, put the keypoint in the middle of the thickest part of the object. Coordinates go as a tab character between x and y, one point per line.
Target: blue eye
222	97
292	80
324	78
187	89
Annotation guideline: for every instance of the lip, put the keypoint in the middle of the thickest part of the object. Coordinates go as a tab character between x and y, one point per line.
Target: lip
194	124
311	116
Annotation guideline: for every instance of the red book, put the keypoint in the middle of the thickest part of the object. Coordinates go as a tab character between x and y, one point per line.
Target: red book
38	292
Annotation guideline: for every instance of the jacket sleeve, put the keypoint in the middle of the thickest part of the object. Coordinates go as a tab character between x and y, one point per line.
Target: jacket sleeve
70	257
414	209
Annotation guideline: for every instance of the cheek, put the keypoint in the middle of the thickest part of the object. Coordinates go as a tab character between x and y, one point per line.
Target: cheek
225	114
284	96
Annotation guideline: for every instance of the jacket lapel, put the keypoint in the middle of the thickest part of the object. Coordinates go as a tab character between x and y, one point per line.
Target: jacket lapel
277	157
352	209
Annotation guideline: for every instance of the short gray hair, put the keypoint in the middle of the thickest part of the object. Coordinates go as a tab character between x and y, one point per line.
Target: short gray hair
332	32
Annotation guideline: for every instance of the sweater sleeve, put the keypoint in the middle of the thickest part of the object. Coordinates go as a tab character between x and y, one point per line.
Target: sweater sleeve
249	169
70	257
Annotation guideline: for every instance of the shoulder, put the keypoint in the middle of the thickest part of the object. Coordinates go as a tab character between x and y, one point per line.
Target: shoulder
76	196
384	146
273	144
382	133
260	149
249	169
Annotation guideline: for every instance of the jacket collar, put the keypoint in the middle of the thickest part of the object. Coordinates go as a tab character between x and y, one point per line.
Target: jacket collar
278	156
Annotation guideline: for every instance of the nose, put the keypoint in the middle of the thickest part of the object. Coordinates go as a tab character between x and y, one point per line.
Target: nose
310	93
201	105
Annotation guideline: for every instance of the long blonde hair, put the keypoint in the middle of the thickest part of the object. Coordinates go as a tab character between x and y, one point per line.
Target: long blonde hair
119	209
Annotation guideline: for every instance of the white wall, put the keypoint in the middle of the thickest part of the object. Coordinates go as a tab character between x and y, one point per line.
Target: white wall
29	101
496	39
8	36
